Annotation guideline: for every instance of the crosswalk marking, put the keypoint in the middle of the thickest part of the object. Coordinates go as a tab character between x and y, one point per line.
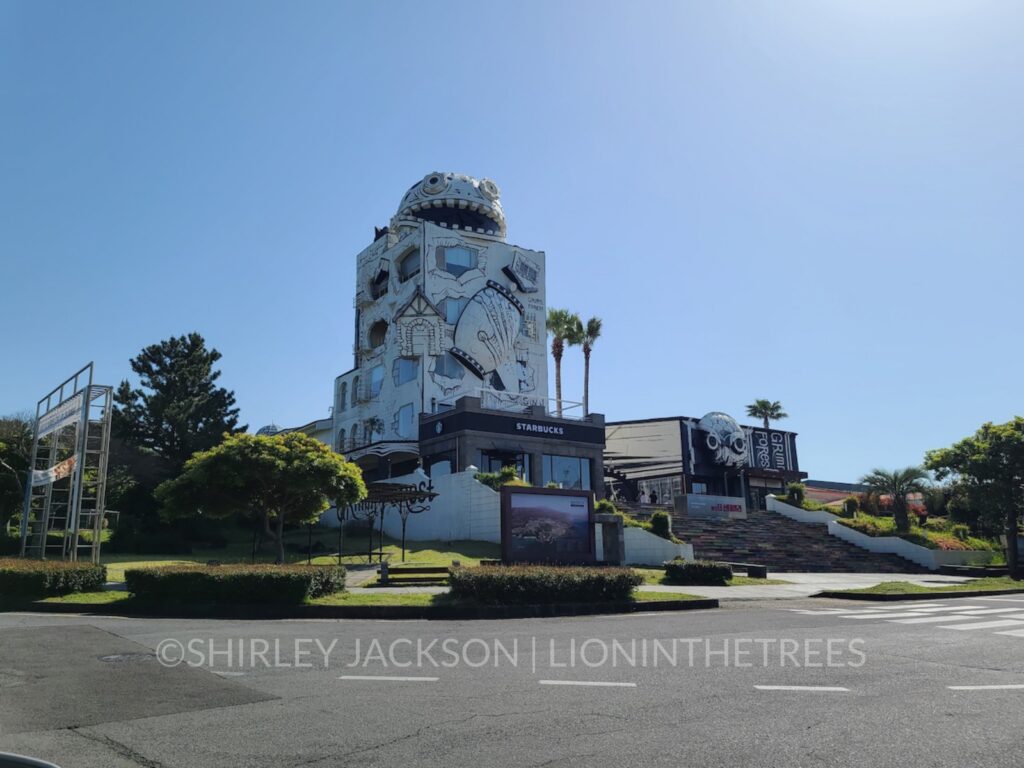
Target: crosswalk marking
986	624
974	615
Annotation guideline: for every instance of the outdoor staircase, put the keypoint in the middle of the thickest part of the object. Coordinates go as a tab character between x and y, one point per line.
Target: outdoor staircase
768	538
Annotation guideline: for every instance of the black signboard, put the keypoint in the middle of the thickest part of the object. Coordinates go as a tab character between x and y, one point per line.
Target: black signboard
547	525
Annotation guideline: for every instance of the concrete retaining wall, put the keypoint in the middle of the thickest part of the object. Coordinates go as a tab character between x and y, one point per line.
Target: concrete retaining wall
932	559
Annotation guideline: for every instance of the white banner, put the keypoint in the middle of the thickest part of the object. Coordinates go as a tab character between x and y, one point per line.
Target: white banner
66	413
54	473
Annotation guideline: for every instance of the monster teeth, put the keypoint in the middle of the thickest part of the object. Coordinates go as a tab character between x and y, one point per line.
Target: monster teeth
450	203
474	206
463	203
415	208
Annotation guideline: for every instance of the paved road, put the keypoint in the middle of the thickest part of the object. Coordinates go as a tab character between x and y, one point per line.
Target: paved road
910	684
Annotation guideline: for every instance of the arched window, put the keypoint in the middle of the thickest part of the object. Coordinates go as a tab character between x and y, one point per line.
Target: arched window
341	440
378	332
409	265
343	396
379	284
355	391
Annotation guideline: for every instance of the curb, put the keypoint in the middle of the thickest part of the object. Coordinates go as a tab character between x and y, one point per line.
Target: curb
916	595
458	612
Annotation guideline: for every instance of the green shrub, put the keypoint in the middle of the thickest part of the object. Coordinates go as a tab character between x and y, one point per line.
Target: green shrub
524	584
869	503
850	506
495	480
795	493
697	573
23	578
225	584
661	524
605	507
960	531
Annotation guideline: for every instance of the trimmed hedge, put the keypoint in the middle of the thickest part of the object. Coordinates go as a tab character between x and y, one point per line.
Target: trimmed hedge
23	578
698	573
526	584
239	584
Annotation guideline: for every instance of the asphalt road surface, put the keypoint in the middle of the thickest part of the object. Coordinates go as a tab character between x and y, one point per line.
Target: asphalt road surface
793	683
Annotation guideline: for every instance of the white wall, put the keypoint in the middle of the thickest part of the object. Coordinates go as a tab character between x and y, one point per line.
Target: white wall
799	514
646	548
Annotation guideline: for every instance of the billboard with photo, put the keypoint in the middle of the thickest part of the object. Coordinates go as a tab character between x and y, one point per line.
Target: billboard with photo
547	525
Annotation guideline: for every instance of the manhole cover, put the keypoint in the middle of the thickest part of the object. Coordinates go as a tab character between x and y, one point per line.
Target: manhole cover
116	658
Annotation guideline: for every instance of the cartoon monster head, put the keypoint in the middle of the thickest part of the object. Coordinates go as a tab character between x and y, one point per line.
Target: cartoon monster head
455	201
724	438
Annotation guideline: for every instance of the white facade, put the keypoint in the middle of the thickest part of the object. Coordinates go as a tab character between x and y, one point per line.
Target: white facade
444	308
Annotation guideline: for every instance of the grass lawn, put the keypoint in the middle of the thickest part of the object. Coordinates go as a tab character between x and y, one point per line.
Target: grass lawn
656	576
905	587
238	551
89	597
646	596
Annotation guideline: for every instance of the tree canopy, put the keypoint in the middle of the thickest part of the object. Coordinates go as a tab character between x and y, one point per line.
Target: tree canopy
768	410
272	480
897	484
15	456
989	468
178	409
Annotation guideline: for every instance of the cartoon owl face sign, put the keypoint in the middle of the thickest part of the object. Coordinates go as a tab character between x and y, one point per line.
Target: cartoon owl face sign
724	438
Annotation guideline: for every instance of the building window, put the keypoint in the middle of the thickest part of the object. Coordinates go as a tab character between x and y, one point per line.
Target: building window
355	391
405	422
456	259
409	265
567	472
343	396
446	365
452	309
341	440
378	333
440	464
495	461
376	380
405	369
379	284
700	488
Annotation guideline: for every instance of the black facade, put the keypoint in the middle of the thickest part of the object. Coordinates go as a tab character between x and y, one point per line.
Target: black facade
675	456
544	449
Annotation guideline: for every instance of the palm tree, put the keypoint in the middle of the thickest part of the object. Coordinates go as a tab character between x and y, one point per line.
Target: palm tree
768	410
897	484
589	336
564	327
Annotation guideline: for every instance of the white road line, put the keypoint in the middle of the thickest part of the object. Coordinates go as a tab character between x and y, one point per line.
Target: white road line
820	688
907	615
989	611
987	624
985	687
587	683
952	608
932	619
228	674
1012	633
1002	599
390	678
906	607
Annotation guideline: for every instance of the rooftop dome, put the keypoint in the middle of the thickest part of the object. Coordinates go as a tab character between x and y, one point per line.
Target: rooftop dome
270	429
456	201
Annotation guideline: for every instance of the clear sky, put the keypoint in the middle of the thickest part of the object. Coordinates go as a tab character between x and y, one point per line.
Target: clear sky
815	202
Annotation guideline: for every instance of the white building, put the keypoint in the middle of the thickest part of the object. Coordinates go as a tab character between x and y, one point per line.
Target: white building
445	308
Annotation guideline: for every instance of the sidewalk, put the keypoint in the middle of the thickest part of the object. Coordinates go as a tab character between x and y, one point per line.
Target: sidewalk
803	585
807	584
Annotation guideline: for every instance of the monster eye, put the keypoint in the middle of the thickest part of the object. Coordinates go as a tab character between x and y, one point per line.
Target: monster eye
712	441
434	183
739	445
489	189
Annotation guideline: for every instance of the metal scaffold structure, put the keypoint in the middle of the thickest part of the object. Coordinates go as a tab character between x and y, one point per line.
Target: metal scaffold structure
67	478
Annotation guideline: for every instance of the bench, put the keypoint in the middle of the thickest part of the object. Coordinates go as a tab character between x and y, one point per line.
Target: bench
424	572
753	571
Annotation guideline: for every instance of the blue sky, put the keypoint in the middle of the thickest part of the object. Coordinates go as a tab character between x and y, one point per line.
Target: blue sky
815	202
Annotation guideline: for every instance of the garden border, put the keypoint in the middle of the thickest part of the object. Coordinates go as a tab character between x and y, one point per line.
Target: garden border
895	596
460	612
